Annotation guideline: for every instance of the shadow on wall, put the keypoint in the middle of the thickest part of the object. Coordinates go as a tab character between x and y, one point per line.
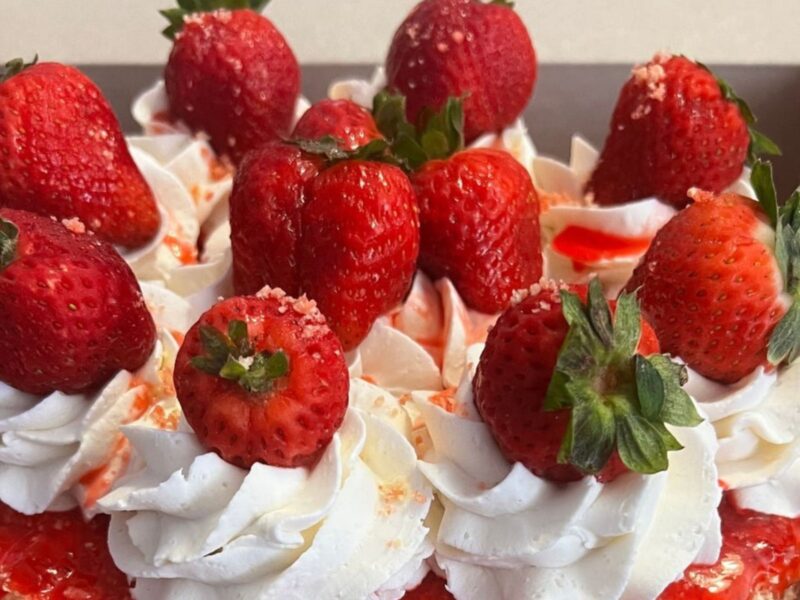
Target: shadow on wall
569	99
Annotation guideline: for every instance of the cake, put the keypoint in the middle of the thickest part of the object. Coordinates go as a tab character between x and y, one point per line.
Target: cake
377	347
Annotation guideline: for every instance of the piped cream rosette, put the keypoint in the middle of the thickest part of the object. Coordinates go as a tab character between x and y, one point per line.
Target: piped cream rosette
63	450
581	240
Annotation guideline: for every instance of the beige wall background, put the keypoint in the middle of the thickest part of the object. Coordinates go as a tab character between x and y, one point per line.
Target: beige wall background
358	31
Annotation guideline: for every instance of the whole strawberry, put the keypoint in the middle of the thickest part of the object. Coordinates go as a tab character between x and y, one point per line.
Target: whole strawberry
675	126
269	191
64	155
464	48
347	236
571	389
71	311
343	120
263	379
231	74
720	286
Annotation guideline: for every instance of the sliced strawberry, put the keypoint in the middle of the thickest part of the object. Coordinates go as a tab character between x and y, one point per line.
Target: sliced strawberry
231	74
57	556
64	155
464	48
71	311
263	379
344	120
567	390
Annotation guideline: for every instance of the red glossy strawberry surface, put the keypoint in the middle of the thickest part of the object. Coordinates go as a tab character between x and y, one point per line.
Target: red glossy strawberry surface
71	311
269	192
711	287
432	587
263	379
360	244
672	129
760	558
63	154
513	377
464	48
57	556
232	75
479	216
345	120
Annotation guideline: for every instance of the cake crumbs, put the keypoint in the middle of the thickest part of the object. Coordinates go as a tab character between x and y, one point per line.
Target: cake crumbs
392	494
75	225
652	76
394	544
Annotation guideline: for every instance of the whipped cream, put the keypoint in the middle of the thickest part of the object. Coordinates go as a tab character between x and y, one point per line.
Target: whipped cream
514	139
63	450
757	421
186	524
623	233
505	533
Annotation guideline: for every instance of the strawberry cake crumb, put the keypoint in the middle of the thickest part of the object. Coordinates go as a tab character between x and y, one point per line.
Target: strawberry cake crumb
75	225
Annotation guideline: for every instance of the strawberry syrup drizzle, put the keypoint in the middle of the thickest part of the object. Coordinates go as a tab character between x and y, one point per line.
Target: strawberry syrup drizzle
57	556
588	246
760	558
185	252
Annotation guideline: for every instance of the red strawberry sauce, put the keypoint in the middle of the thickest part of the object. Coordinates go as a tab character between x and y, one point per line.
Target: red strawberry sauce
588	246
57	556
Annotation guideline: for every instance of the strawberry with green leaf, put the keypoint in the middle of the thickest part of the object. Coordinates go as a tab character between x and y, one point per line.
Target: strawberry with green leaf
675	126
479	211
263	379
721	281
231	74
571	386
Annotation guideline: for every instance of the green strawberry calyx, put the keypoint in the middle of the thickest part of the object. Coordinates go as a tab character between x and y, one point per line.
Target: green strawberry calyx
176	16
760	144
506	3
15	66
330	148
9	238
232	357
617	398
437	135
784	343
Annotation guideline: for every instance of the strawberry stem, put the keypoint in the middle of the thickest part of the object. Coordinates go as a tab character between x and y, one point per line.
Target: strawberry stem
9	238
176	16
618	399
15	66
232	357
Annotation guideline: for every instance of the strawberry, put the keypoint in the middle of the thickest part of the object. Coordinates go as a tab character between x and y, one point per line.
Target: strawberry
349	236
263	379
432	587
231	74
568	391
479	211
464	48
344	120
57	556
269	191
64	154
71	311
675	126
721	286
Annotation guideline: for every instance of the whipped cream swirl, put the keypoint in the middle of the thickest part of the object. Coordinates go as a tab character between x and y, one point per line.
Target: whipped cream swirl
757	421
505	533
187	524
63	450
514	139
581	240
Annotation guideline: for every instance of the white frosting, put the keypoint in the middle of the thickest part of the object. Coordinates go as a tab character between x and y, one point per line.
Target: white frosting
514	139
507	534
47	445
634	220
757	421
189	525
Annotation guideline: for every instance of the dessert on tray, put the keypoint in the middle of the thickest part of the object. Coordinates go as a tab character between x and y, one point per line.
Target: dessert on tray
376	347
